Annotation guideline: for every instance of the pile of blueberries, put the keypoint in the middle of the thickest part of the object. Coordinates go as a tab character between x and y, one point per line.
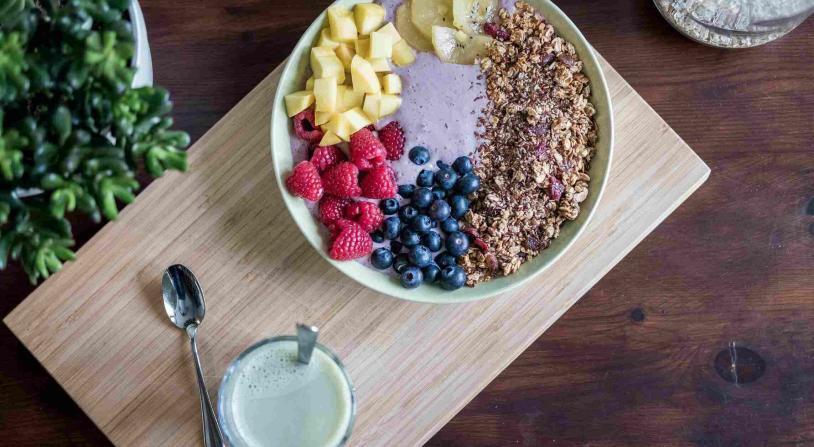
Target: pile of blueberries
436	201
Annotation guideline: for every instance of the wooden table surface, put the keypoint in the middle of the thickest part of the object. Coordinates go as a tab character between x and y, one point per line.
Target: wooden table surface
645	358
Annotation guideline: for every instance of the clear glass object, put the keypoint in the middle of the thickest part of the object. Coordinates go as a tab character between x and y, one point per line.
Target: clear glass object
267	398
735	23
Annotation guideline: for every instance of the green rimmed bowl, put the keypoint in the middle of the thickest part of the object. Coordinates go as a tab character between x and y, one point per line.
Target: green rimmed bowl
291	80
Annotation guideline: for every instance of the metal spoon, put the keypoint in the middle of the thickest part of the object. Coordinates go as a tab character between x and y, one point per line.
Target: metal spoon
184	304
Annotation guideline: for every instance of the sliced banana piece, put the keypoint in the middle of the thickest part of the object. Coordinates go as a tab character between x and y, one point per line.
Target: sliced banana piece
408	31
426	14
470	15
454	47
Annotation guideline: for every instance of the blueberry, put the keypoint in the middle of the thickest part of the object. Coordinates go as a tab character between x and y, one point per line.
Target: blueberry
439	210
406	191
377	236
445	260
409	237
431	273
434	224
422	197
441	164
408	213
411	277
431	240
389	206
396	246
459	205
452	277
439	192
462	165
381	258
421	224
457	243
391	227
401	262
419	155
450	225
425	178
446	178
420	256
468	184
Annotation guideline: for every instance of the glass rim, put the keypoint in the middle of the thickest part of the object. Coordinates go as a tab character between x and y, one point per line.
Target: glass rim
232	367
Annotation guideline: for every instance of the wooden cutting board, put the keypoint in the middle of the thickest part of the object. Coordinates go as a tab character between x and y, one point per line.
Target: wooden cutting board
100	329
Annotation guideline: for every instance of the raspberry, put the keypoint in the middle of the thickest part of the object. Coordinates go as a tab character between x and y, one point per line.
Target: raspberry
493	30
366	150
305	126
304	181
392	137
366	214
332	208
341	180
555	188
351	242
326	156
379	183
336	226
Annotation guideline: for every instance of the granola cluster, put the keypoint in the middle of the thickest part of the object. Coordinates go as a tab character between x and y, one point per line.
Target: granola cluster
538	136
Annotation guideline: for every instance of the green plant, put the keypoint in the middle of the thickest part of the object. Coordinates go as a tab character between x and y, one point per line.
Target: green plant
71	125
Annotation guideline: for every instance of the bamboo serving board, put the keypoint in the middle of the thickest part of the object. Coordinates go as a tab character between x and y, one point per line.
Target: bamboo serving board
99	326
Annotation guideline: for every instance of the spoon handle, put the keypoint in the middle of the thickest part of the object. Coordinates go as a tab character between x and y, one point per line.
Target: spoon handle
212	434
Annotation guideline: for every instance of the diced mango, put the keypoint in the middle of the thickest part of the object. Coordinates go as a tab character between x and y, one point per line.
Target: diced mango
381	45
351	98
356	119
298	101
340	126
388	104
321	118
379	65
309	84
325	93
345	53
391	84
363	76
390	29
325	39
343	27
329	139
403	54
325	64
369	17
371	107
363	47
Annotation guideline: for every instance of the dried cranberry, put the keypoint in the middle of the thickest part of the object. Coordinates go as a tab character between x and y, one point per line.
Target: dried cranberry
478	242
493	30
555	188
541	151
547	59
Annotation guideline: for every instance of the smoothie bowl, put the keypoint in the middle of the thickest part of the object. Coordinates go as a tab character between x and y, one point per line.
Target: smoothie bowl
442	150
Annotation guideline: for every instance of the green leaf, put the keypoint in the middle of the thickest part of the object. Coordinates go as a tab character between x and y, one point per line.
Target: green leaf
61	120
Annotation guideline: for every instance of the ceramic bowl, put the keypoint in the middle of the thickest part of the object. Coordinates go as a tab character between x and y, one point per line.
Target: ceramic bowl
291	80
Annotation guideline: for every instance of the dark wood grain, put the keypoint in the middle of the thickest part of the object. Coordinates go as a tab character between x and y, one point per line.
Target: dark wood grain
633	363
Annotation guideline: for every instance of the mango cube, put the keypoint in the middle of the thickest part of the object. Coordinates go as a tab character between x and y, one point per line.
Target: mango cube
381	45
371	107
391	84
363	76
388	104
369	17
325	93
356	119
329	139
339	125
363	47
392	31
309	84
325	39
403	55
298	101
325	64
379	64
351	98
345	53
343	27
321	118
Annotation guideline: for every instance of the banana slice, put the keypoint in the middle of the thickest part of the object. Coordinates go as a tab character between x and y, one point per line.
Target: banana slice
470	15
408	30
429	13
455	47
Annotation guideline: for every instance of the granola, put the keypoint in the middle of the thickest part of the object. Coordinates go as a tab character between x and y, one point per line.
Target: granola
538	136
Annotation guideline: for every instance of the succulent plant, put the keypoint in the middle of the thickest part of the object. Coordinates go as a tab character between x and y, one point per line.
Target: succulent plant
72	127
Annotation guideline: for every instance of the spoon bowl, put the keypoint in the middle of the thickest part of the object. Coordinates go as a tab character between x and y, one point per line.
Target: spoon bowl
183	296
